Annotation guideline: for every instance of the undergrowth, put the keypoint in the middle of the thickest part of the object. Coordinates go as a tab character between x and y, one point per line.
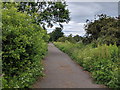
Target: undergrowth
102	61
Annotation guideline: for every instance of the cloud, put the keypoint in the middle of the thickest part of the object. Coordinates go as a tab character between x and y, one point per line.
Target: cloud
74	28
84	9
80	11
93	0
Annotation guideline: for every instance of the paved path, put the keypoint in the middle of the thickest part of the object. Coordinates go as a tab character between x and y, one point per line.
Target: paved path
62	72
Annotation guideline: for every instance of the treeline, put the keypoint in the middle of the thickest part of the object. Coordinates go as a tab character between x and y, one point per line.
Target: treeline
24	39
58	35
103	30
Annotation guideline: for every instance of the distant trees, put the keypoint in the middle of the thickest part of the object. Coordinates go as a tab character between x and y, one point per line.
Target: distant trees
57	33
77	38
71	38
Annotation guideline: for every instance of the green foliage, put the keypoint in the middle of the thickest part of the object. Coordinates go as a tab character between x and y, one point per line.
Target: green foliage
105	30
70	38
102	61
48	13
56	34
77	38
23	47
62	39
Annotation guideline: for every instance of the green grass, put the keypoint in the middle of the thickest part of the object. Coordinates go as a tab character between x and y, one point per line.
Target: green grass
103	61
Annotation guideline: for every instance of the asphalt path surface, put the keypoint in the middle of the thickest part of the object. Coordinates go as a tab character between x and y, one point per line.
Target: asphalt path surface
62	72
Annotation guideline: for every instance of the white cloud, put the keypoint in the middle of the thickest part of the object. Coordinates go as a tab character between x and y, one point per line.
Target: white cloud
80	11
92	0
74	28
84	9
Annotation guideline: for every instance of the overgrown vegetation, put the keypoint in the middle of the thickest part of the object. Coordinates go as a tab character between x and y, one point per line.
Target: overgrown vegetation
24	43
103	61
24	39
23	47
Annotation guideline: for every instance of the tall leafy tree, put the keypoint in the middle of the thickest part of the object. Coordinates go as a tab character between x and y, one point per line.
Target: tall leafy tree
105	30
46	13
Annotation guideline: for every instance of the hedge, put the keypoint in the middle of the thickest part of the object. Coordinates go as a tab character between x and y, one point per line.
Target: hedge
23	47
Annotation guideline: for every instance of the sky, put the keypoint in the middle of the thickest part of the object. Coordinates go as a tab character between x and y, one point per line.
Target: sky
81	11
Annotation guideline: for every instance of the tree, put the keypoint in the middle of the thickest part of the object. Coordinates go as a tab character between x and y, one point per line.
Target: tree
49	13
56	34
104	30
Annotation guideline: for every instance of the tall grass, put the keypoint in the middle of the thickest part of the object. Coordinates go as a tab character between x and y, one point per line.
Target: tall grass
103	61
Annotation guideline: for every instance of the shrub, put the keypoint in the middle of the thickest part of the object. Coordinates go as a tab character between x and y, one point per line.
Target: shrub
23	47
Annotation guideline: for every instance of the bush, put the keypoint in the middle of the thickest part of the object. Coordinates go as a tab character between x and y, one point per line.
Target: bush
23	47
102	61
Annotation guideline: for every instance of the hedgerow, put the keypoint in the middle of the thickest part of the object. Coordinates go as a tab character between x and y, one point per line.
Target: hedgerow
23	47
103	61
